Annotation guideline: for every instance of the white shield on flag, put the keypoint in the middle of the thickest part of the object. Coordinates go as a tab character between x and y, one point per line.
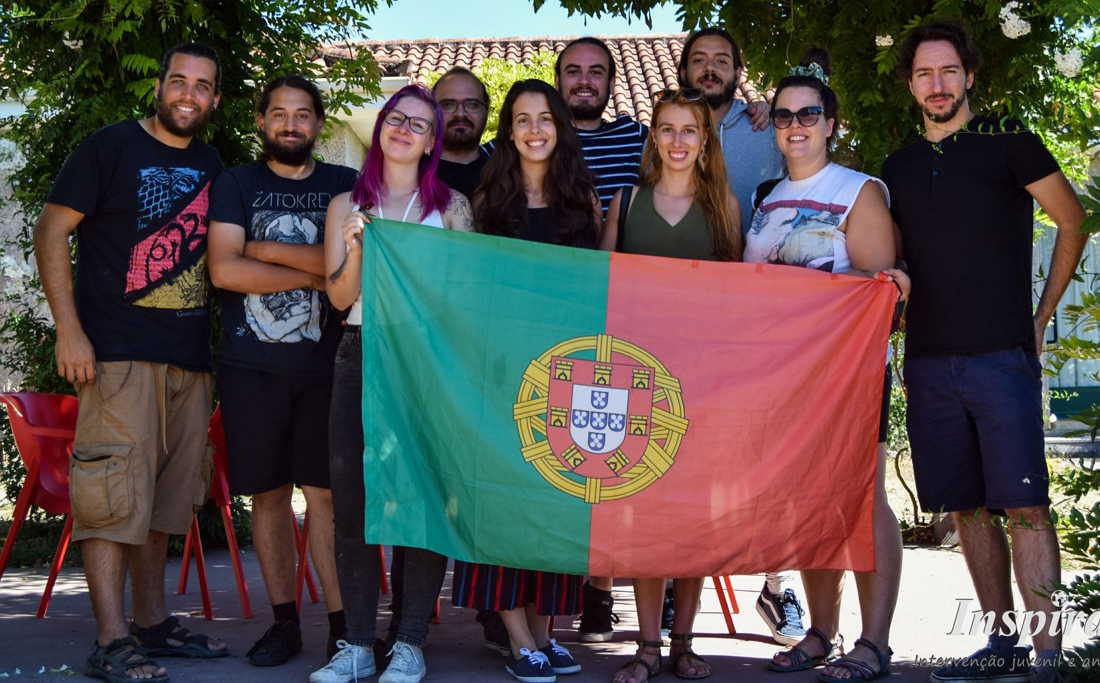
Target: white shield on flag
598	418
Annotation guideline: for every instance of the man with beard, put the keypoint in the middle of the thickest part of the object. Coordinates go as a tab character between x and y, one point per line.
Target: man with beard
465	104
134	340
963	199
278	344
583	74
711	62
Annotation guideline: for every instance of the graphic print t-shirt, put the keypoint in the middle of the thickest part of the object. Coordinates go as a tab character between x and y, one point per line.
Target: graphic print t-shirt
141	246
294	331
798	223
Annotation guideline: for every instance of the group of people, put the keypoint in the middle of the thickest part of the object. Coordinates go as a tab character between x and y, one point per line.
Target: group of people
713	177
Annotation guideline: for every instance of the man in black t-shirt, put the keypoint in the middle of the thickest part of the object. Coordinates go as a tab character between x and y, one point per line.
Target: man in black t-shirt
963	201
134	339
278	343
465	104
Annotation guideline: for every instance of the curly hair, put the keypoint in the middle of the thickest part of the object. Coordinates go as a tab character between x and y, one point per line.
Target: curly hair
500	202
708	174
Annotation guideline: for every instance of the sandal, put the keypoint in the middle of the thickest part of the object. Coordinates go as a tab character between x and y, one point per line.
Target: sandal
859	670
118	659
651	670
799	660
156	641
683	640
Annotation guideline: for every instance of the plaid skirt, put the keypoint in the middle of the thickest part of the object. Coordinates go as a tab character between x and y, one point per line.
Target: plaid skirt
491	588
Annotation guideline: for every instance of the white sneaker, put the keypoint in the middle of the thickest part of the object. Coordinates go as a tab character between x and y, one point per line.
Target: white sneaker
350	663
406	665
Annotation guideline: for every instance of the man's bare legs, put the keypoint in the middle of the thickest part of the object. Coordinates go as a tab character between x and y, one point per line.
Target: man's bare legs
322	544
273	536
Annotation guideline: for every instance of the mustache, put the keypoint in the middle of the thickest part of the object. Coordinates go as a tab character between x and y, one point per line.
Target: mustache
709	75
939	94
462	120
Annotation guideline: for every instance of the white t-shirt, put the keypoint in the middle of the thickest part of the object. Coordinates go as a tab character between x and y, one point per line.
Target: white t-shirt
799	222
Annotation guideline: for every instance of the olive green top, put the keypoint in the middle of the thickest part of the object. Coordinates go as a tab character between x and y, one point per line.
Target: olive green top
646	232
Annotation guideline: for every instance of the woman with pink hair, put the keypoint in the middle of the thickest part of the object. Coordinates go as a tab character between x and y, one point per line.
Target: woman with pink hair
398	182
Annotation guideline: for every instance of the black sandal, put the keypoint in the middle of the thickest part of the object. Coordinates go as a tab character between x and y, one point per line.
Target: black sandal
799	660
117	659
154	641
684	641
859	670
652	670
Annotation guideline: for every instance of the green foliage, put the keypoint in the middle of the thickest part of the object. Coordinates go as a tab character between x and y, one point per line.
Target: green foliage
1018	76
78	66
498	75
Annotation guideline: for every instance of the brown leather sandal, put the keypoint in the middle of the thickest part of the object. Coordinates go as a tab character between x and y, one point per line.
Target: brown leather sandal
652	670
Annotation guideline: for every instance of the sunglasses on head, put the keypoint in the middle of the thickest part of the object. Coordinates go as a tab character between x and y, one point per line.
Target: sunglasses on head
686	94
807	116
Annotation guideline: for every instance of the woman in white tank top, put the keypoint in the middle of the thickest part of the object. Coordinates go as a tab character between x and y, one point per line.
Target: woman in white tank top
398	182
831	218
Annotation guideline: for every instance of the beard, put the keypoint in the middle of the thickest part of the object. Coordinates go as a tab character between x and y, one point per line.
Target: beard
956	105
589	112
715	100
461	139
164	116
290	154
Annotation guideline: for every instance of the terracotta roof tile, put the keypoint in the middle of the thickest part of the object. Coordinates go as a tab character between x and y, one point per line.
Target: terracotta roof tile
644	64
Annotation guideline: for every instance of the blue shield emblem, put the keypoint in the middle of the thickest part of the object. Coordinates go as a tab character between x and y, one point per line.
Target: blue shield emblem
599	418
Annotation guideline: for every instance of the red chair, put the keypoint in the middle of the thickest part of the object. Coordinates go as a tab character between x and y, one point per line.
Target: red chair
192	545
43	426
724	589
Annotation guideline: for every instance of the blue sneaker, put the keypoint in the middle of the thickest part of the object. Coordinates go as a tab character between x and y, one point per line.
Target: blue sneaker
987	665
782	614
561	660
531	667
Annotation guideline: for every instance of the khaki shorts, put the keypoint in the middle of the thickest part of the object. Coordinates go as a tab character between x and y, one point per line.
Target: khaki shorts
140	459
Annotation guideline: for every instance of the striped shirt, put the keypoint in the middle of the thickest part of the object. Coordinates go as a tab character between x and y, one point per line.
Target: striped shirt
613	153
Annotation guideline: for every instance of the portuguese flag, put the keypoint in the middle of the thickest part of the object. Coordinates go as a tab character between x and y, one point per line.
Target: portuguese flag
579	411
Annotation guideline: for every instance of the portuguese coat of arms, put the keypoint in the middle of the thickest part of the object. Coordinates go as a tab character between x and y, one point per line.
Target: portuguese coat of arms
603	428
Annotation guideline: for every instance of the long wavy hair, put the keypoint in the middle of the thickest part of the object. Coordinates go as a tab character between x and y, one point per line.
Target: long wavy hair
708	174
434	193
500	203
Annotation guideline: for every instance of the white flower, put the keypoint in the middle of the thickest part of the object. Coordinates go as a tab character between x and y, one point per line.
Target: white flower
1012	25
884	41
1069	63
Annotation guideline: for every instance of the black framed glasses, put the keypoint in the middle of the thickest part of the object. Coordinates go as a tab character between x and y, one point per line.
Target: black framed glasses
686	94
807	116
417	124
470	106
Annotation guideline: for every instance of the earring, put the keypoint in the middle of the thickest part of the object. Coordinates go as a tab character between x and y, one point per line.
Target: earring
702	159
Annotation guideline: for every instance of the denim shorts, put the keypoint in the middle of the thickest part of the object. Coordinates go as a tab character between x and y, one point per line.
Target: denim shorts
976	430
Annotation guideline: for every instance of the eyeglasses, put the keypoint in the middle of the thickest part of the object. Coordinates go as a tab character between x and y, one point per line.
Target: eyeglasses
807	116
417	124
470	106
686	94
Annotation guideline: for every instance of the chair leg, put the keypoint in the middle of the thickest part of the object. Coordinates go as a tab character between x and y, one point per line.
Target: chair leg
720	590
384	584
55	567
200	568
305	576
19	514
188	551
732	596
235	556
435	614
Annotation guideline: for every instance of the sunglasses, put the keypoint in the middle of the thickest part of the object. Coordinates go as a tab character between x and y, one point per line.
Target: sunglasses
417	124
470	106
807	116
686	94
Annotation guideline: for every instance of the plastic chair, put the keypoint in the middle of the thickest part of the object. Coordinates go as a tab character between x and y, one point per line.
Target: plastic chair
192	545
43	426
726	600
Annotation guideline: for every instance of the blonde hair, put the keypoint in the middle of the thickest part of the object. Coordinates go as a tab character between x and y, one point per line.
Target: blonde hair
708	174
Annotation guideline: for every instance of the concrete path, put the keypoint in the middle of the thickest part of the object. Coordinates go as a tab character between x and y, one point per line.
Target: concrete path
933	583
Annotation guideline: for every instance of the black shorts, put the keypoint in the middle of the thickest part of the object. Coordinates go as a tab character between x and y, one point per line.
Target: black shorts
884	414
276	428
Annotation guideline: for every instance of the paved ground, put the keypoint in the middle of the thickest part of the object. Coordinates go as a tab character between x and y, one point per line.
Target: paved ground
933	583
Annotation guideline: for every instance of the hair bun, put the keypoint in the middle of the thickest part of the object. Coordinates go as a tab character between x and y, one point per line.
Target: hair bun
819	56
